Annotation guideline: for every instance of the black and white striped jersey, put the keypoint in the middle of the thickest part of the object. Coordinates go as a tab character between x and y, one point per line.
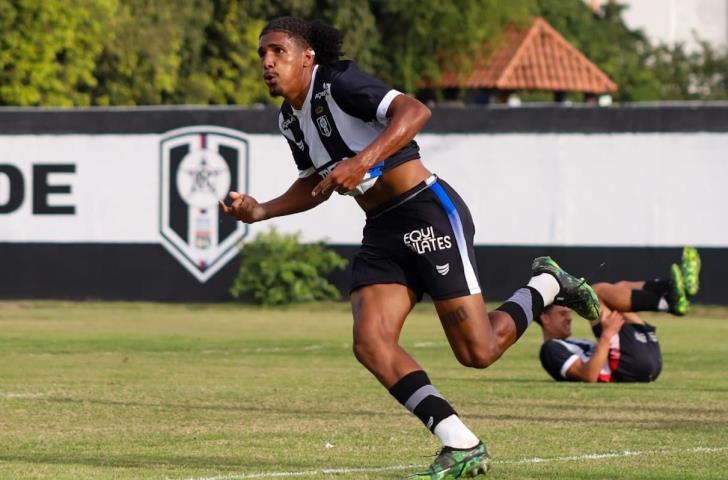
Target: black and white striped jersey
344	111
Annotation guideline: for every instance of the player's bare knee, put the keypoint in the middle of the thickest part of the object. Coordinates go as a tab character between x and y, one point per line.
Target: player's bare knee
476	358
374	355
601	288
364	352
369	348
483	359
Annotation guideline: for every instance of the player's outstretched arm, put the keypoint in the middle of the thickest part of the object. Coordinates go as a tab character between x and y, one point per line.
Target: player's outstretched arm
406	116
588	371
296	199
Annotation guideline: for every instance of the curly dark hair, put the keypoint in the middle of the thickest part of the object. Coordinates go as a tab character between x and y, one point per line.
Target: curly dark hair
324	39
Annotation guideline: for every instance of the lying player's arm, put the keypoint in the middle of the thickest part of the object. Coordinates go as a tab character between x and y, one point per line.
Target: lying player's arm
406	117
296	199
588	371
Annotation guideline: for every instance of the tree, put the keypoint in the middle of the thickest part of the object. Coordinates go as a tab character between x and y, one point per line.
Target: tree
709	68
48	50
353	17
362	40
141	58
690	75
138	52
227	69
423	40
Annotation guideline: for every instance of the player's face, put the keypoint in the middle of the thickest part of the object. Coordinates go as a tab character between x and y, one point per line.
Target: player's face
283	61
558	321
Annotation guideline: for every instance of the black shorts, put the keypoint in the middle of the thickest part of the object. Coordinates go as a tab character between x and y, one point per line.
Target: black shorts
635	354
422	239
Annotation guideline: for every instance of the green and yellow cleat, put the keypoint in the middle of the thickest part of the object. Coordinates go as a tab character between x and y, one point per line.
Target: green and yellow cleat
690	268
575	293
677	299
453	463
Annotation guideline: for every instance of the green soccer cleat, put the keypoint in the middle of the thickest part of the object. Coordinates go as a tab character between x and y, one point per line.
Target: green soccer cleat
575	293
677	299
690	267
453	463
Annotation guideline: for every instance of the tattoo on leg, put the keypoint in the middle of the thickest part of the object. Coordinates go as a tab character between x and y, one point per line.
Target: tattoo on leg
356	305
455	317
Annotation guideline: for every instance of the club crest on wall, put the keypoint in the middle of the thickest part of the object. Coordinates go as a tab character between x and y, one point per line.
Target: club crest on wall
199	166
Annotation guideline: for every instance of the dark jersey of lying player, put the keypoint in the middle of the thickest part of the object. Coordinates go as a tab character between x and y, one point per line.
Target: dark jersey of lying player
344	111
558	355
634	355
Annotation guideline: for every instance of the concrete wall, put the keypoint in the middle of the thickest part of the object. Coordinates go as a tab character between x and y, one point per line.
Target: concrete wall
93	203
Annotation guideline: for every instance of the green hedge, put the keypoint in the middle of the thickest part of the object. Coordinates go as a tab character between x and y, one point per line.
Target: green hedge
278	269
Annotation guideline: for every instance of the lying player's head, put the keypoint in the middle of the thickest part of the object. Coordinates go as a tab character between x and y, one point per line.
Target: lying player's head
289	47
555	321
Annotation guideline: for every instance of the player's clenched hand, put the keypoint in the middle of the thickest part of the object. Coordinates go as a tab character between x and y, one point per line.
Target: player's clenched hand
611	322
345	176
243	207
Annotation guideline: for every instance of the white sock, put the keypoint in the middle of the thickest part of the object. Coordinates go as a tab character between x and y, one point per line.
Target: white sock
547	286
452	432
662	305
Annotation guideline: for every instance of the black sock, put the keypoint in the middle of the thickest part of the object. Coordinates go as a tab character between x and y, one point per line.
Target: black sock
417	394
645	301
659	286
523	306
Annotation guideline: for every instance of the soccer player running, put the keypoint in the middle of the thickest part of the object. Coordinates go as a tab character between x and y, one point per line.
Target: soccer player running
627	349
351	133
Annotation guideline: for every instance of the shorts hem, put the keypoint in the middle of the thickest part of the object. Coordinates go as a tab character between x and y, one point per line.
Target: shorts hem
384	282
450	296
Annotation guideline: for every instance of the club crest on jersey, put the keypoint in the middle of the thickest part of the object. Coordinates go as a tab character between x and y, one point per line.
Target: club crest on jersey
323	125
199	166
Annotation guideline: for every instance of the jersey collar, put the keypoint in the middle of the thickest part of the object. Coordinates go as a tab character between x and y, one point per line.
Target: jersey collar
307	102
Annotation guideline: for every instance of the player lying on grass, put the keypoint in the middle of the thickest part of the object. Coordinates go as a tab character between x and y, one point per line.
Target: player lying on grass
353	134
627	349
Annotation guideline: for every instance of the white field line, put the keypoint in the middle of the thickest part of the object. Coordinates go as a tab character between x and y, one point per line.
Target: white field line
525	461
21	395
303	473
600	456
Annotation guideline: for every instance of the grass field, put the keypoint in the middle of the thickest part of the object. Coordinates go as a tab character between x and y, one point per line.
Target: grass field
149	391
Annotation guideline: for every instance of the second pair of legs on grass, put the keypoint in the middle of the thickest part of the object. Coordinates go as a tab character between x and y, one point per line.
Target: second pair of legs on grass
477	337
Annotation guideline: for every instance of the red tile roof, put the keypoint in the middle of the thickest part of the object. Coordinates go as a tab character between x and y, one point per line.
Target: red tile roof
536	57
